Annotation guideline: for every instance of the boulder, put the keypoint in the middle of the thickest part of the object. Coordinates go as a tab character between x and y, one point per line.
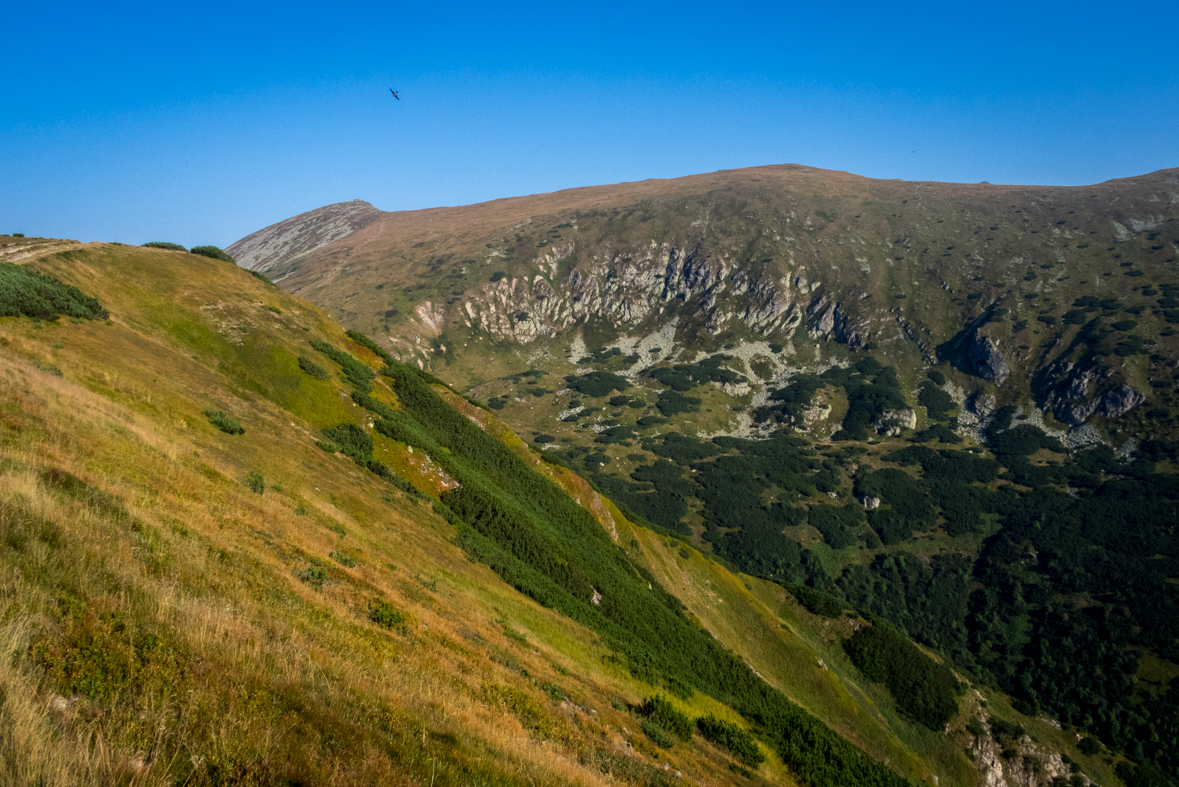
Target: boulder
986	361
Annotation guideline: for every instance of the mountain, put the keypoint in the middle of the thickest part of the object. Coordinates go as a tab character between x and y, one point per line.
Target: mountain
947	406
244	546
302	234
983	277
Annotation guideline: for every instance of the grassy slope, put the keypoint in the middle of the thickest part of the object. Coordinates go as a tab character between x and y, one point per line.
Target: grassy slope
163	625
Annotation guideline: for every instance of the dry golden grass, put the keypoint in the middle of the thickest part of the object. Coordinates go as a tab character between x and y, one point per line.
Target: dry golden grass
155	630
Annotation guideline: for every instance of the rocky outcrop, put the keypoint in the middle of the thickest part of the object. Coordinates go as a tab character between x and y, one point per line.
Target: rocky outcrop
986	361
1023	763
1070	399
982	404
661	281
1120	400
301	234
891	422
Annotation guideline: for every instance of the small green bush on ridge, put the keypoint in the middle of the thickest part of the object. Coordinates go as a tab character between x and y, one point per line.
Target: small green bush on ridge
212	252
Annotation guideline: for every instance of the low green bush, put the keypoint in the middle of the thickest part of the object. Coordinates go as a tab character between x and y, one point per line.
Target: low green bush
159	244
731	737
315	576
660	710
25	292
224	422
211	251
312	368
254	482
344	560
385	614
657	734
924	690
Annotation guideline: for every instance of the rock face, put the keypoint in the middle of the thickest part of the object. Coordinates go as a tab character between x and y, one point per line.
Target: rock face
1071	400
301	234
986	360
1120	401
893	421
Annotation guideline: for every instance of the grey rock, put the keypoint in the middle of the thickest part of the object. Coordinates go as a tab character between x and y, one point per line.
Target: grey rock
986	360
1121	400
982	404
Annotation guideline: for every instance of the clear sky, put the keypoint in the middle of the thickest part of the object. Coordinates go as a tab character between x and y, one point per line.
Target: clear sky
201	123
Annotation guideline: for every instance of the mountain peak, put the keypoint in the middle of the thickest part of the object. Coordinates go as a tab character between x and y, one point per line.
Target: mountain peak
301	234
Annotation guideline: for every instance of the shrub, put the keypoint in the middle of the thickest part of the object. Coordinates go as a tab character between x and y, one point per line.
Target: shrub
660	710
159	244
344	560
254	482
211	251
671	403
936	402
25	292
312	368
731	737
315	576
357	374
353	440
1089	746
385	614
498	275
544	438
816	602
834	523
224	422
657	734
597	384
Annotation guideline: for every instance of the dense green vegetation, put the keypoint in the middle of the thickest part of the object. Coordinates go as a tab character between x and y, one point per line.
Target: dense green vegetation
1076	572
924	690
211	251
224	422
27	293
548	547
660	710
730	736
159	244
683	377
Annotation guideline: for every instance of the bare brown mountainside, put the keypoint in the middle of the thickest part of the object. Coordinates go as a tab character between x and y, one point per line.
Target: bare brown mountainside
982	277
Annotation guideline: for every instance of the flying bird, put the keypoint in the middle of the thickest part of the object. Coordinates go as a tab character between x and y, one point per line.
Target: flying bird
394	92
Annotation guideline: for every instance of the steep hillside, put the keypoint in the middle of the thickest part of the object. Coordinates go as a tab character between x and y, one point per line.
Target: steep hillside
950	406
242	547
302	234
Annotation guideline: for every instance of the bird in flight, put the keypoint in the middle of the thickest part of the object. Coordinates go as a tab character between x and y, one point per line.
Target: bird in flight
394	92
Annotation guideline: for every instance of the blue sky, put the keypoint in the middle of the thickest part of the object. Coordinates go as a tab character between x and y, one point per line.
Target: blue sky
200	125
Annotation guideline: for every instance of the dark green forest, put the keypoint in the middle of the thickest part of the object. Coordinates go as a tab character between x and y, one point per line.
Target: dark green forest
1066	578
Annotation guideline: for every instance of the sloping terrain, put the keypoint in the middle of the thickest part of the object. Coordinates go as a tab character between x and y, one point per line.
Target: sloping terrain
242	547
951	406
302	234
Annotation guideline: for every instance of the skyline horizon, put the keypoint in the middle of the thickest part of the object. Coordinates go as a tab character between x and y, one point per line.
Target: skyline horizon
205	127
